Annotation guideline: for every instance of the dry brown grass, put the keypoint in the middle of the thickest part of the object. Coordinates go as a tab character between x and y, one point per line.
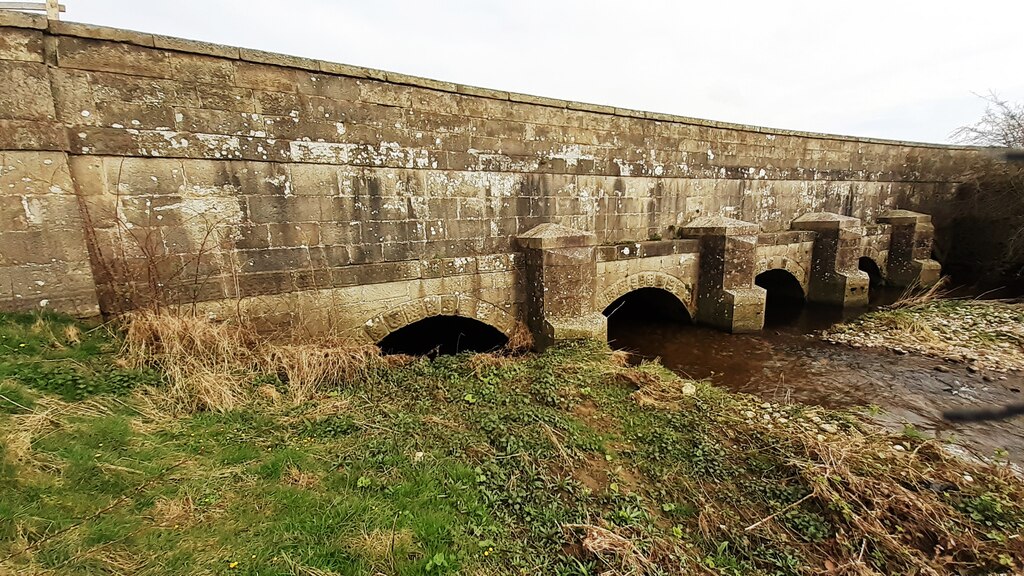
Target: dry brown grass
907	325
298	569
72	334
483	361
210	365
207	363
614	550
914	296
381	544
619	358
879	490
174	512
47	416
309	368
661	393
520	339
295	477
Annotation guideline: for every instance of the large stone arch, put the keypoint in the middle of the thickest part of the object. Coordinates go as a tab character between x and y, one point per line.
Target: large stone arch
683	291
401	315
783	263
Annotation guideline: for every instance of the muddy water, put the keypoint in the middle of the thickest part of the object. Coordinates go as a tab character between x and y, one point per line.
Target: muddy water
788	363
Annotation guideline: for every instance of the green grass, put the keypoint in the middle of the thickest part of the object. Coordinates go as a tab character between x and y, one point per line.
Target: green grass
57	355
476	465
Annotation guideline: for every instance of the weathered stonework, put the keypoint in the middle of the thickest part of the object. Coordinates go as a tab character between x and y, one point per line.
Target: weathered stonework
835	277
561	270
910	248
138	168
727	297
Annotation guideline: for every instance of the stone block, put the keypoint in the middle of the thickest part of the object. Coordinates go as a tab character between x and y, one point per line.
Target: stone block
15	19
547	236
195	47
282	60
202	69
118	57
214	97
21	44
26	91
716	226
217	122
107	87
265	78
327	85
822	221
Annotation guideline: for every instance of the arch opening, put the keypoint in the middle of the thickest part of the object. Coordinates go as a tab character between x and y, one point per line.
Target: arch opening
785	299
648	304
633	316
867	264
880	292
440	335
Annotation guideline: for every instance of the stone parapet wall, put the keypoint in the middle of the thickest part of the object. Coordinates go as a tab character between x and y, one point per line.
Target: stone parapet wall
202	173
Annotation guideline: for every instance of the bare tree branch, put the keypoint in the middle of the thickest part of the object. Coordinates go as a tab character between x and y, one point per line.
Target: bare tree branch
1001	125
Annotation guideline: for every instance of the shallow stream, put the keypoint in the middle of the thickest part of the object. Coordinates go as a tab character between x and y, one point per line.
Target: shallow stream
787	362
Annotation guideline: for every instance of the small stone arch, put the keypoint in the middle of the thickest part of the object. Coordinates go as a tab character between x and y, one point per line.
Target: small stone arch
681	290
784	263
873	268
879	257
411	311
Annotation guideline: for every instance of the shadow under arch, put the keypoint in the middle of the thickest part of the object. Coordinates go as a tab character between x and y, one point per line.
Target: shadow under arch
785	299
880	292
439	335
649	304
868	264
638	319
441	325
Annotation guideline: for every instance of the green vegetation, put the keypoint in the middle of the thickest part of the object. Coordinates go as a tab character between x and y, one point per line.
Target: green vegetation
567	462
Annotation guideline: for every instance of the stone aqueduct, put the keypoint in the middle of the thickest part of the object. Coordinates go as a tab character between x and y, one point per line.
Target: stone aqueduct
137	168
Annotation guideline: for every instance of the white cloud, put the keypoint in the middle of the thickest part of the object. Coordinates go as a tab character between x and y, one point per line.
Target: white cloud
871	67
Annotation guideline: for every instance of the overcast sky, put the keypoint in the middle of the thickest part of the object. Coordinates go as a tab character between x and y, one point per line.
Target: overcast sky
904	69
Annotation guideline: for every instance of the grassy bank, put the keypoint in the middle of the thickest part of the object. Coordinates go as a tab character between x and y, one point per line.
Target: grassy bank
567	462
985	335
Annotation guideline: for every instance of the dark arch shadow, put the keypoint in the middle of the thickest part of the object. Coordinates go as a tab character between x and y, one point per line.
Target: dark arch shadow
642	314
879	292
867	264
443	335
648	304
785	298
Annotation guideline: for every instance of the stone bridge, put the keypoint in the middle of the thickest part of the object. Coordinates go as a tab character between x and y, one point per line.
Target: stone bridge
140	170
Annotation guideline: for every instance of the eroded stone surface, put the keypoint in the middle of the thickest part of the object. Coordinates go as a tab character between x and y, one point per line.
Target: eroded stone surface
358	200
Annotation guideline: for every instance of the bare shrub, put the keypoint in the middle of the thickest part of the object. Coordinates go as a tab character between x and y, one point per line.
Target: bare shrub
1002	124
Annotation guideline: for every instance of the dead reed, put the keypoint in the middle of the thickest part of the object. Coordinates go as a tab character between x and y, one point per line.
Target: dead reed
214	365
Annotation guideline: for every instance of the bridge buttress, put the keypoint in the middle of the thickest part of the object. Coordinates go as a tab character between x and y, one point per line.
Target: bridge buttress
910	249
561	274
835	276
726	295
